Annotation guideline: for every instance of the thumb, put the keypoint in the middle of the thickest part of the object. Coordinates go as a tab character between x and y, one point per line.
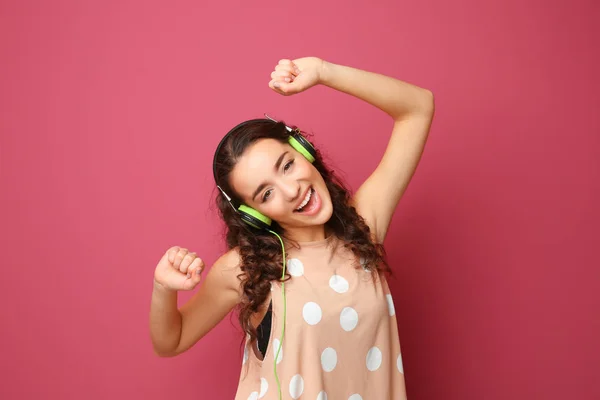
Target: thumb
282	87
193	278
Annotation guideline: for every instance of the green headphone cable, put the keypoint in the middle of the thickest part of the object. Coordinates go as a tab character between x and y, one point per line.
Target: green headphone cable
284	310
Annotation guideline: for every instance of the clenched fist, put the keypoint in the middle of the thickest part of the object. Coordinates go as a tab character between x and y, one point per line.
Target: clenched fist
295	76
179	269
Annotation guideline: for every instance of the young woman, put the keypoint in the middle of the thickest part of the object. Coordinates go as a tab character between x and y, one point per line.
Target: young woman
306	267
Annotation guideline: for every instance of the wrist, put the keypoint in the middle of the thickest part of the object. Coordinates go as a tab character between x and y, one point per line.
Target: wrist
160	288
325	72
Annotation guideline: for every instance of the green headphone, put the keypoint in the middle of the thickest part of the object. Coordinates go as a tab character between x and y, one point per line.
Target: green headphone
260	221
248	214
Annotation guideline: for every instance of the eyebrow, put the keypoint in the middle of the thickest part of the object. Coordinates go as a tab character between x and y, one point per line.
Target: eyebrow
275	168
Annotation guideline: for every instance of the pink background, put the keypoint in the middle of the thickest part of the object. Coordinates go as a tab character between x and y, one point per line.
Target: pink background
109	115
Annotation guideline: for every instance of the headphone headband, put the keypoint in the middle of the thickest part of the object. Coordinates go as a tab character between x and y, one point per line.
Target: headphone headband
238	126
309	152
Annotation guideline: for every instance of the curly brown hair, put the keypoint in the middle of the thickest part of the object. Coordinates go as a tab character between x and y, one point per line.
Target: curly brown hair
260	251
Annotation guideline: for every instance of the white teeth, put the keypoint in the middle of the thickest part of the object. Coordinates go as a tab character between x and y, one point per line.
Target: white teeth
306	200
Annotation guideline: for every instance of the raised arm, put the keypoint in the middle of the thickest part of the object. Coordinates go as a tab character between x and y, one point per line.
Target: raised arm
410	107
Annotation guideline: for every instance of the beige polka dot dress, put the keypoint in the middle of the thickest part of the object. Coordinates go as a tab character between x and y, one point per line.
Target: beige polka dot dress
341	339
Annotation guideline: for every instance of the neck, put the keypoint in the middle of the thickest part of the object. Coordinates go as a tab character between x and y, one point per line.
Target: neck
306	234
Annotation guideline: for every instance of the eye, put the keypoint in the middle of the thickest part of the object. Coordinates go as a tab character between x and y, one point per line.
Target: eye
288	165
266	195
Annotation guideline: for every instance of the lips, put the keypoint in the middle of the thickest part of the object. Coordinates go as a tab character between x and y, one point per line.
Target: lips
313	207
302	198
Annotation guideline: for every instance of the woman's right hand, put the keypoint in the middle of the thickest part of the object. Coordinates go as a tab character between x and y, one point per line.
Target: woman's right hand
179	269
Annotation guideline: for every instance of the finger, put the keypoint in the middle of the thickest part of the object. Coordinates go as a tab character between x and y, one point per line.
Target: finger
273	84
287	63
171	253
179	257
194	276
187	261
192	282
196	265
283	88
291	70
283	76
294	67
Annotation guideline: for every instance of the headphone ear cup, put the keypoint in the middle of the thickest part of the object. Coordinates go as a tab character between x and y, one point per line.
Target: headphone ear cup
303	146
254	218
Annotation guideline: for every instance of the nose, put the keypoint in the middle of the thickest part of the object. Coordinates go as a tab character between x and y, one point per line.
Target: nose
290	189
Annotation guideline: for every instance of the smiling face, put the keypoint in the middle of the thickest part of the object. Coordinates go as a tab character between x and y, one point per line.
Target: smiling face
273	178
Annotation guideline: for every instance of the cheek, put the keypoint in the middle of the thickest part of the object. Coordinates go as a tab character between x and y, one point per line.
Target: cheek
309	172
272	210
318	178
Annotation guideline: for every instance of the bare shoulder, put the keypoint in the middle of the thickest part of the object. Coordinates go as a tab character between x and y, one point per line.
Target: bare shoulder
227	269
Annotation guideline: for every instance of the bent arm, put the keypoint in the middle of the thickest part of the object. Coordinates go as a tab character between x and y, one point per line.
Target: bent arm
174	330
412	110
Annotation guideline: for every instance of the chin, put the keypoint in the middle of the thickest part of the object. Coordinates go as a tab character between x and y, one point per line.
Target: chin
321	219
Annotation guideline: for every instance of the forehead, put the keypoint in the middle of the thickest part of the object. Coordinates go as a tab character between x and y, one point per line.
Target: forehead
256	165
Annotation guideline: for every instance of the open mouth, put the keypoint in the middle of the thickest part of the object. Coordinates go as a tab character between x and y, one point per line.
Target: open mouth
309	204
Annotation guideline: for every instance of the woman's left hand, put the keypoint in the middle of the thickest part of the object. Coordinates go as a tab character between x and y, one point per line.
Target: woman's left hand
295	76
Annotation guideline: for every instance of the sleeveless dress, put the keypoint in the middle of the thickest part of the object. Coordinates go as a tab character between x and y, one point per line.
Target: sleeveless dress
341	339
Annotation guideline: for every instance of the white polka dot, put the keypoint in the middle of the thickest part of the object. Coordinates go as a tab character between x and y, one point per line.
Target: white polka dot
245	354
374	359
276	344
295	267
328	359
312	313
296	386
264	386
348	318
253	396
338	283
322	395
390	302
399	364
355	396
